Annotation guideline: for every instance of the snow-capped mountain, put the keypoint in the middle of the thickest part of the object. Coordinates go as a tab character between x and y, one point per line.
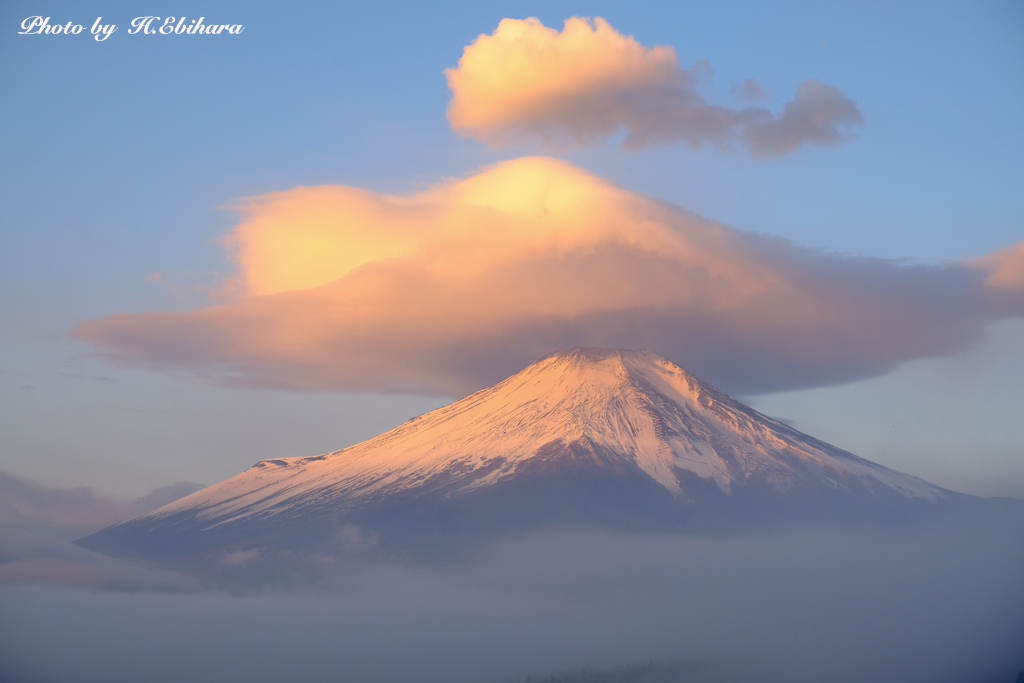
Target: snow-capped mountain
581	434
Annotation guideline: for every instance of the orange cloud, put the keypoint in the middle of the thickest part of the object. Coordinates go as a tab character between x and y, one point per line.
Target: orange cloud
580	86
452	288
310	236
1005	267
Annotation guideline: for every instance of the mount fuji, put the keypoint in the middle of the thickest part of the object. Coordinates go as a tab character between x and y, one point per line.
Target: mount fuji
615	438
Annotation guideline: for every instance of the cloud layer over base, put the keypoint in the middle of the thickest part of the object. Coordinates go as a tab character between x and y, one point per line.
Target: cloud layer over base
449	290
939	602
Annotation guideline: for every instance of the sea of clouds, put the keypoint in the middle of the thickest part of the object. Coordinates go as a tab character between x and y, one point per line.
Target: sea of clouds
934	601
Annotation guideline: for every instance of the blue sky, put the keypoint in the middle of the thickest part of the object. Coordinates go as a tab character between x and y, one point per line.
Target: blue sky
117	159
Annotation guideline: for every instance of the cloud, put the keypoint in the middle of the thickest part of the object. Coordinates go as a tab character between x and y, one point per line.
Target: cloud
814	116
1005	267
919	601
446	291
936	601
580	86
749	91
37	525
72	513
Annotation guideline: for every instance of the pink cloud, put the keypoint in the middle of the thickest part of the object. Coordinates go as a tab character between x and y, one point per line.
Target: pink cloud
1005	268
579	86
445	291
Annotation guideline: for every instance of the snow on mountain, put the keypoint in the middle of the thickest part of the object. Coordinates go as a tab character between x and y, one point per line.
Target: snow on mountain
612	411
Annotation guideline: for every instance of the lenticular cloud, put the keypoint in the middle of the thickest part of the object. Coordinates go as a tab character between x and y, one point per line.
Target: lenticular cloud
578	87
448	290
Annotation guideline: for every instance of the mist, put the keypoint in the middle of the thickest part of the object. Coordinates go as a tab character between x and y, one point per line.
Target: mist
39	524
941	600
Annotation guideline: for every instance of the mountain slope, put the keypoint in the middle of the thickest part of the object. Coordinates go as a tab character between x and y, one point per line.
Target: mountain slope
583	434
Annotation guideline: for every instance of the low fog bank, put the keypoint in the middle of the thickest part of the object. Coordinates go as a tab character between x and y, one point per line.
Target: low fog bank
38	525
70	514
935	602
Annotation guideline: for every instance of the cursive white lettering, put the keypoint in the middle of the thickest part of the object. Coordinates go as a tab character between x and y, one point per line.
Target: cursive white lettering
141	25
102	31
38	25
33	25
147	25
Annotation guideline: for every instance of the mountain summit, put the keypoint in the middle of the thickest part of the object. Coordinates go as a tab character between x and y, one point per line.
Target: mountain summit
584	436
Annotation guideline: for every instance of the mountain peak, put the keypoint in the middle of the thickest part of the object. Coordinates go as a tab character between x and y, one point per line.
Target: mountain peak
606	366
629	410
584	415
601	382
583	355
